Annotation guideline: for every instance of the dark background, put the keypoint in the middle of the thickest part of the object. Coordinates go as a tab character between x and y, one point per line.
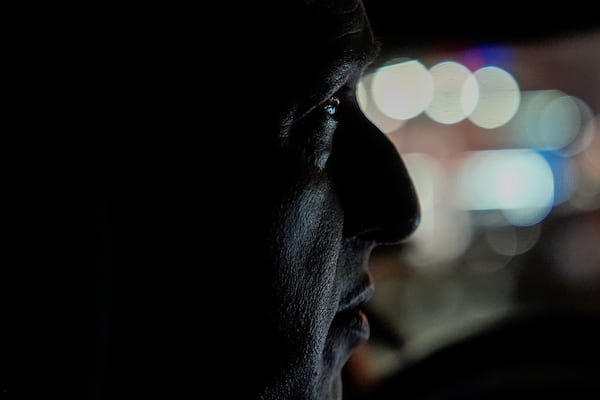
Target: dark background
400	25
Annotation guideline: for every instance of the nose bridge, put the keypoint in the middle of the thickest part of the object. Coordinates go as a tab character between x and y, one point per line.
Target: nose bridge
379	199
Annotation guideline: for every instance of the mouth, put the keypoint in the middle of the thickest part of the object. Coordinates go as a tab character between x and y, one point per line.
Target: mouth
350	315
355	322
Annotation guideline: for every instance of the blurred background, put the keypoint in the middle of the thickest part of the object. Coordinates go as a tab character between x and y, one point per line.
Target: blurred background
496	113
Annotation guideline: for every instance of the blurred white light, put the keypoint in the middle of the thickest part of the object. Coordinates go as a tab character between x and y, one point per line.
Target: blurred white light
551	120
525	126
455	93
587	193
519	182
560	122
524	180
527	216
403	90
499	98
586	132
511	241
592	150
371	111
362	94
503	241
444	232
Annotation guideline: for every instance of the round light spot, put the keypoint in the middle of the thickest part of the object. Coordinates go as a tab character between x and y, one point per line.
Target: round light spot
403	90
499	98
455	93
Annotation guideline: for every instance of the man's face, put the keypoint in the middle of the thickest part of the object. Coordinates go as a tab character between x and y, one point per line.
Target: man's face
333	188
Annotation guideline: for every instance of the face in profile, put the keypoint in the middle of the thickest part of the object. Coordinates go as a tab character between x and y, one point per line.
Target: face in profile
240	233
333	188
227	237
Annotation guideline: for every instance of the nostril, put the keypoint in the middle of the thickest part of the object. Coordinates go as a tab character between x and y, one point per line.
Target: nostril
386	211
393	233
385	225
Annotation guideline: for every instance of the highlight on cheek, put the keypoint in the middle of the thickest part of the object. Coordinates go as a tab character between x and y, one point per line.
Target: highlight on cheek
323	145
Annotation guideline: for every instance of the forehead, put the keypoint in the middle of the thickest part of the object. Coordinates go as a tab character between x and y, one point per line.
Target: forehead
303	31
313	47
326	24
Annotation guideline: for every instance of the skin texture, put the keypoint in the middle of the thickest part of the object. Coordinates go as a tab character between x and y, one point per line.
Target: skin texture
208	221
340	189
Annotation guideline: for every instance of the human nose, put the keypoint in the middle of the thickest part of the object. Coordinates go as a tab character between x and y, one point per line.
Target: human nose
379	199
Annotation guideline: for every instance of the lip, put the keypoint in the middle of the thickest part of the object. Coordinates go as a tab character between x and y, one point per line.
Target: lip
350	315
358	297
355	322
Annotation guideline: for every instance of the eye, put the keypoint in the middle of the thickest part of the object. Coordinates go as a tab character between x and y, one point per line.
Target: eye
332	105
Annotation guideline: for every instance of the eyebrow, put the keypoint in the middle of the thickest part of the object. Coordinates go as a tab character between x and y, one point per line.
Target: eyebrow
358	48
360	27
341	72
365	53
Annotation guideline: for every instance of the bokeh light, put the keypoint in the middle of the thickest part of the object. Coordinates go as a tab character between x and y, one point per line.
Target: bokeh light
431	246
512	241
402	90
520	183
499	97
363	93
455	93
552	120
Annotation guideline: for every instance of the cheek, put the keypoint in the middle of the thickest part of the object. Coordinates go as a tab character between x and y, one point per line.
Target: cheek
308	242
309	231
